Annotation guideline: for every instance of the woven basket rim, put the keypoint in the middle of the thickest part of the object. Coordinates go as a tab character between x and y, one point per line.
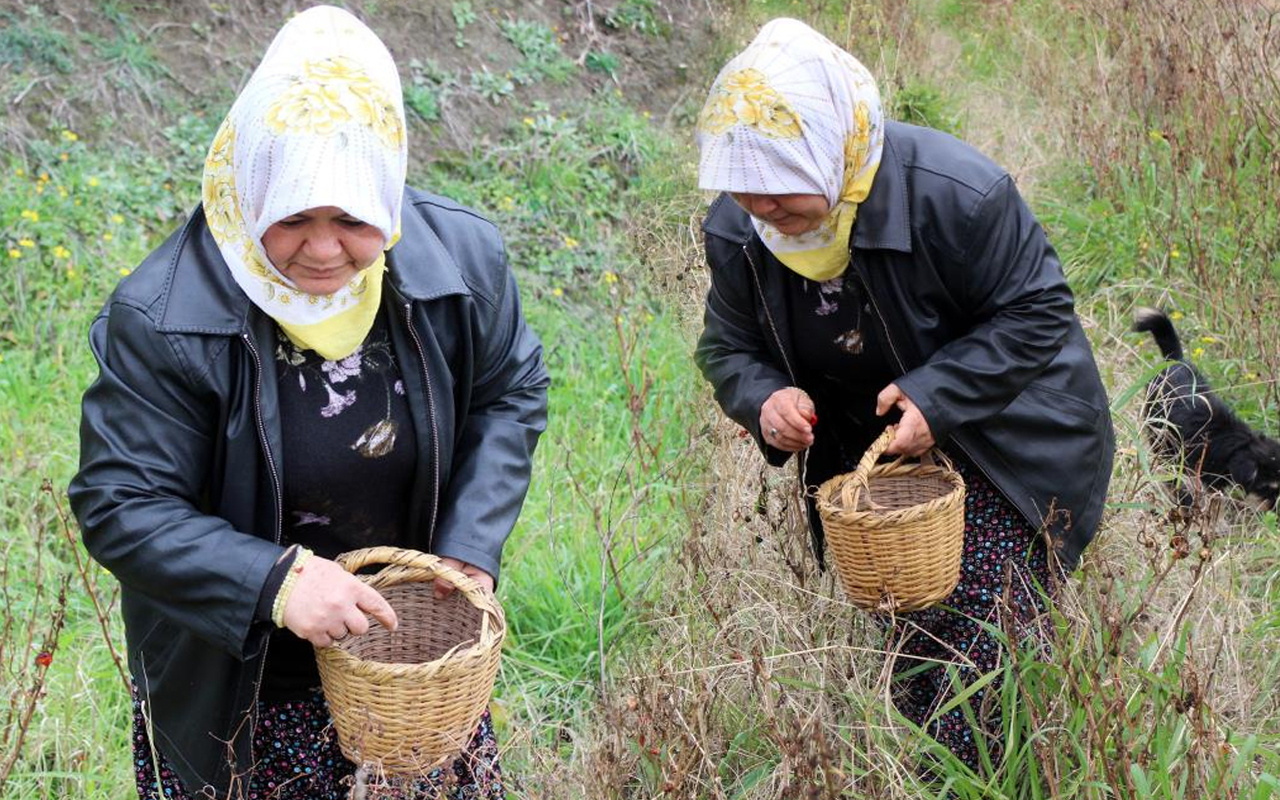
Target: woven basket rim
827	505
485	639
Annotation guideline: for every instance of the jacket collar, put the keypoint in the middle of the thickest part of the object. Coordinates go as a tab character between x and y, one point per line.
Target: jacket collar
884	221
200	296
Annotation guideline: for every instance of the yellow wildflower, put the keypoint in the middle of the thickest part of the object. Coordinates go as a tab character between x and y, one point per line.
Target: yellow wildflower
39	188
61	252
1199	351
1175	316
528	121
557	292
106	237
168	186
69	136
117	219
63	193
125	272
28	213
71	274
610	277
570	242
26	243
1253	376
44	177
63	156
1208	339
1174	253
15	252
19	172
93	181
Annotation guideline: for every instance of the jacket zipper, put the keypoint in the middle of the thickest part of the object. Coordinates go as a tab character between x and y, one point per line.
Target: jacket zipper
902	369
802	458
435	434
278	490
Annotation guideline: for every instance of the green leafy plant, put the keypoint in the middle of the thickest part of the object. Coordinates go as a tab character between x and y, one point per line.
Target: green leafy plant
492	86
463	15
602	61
640	16
924	105
542	55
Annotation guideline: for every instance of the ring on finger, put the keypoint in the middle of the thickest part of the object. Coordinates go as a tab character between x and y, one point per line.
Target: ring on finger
345	634
773	433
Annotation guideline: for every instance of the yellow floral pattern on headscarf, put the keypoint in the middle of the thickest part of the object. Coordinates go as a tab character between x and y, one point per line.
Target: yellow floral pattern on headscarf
329	93
320	123
746	98
795	114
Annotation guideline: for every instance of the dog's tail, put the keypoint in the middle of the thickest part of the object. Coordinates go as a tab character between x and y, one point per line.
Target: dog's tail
1158	324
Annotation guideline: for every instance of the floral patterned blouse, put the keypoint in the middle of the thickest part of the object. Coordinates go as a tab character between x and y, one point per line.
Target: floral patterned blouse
348	465
841	359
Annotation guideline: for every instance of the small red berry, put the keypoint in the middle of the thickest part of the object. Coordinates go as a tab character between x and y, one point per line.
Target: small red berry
44	659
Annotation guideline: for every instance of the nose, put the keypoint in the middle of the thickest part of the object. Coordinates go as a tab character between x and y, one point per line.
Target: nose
323	243
761	205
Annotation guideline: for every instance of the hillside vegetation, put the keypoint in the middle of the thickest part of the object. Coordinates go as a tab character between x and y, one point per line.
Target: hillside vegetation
670	634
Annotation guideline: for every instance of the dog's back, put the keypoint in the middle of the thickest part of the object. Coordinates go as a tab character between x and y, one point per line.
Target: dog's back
1189	424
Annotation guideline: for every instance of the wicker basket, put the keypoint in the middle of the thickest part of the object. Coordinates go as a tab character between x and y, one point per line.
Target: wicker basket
410	700
895	530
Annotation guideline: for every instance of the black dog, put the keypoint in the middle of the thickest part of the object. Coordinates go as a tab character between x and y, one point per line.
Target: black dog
1188	424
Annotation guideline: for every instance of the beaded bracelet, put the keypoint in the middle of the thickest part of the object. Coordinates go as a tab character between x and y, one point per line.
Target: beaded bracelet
286	586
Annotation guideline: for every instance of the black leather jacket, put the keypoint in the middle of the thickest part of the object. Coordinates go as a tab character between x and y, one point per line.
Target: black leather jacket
980	323
178	492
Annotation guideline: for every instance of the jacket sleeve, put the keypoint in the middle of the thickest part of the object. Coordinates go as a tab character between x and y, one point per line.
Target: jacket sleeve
493	456
1011	283
732	352
146	443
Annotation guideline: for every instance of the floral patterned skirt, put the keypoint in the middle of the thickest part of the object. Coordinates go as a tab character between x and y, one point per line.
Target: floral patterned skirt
951	633
299	759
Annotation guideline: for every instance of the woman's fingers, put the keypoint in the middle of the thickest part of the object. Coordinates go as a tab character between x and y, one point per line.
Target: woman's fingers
375	605
328	603
787	419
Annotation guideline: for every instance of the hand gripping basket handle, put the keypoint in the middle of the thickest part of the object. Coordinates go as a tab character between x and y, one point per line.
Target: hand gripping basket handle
403	565
852	489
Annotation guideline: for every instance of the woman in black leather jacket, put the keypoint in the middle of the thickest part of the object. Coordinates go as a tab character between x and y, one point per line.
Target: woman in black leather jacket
318	361
864	270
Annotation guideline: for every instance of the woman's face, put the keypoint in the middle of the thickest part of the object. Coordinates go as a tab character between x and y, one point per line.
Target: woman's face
790	213
321	249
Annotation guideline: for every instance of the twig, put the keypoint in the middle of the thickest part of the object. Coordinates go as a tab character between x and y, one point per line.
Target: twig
89	585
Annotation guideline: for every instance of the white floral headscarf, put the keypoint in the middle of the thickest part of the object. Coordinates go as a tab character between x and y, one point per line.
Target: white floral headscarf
320	123
795	114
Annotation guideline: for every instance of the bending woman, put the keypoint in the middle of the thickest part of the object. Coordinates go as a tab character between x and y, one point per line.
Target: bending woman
861	267
318	360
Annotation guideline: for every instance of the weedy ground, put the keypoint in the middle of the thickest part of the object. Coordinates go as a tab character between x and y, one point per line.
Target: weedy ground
670	634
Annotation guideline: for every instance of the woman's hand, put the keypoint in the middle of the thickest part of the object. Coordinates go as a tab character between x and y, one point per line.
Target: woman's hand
787	419
328	604
481	577
913	437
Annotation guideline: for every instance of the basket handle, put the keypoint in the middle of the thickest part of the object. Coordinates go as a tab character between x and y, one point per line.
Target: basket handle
401	563
852	490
